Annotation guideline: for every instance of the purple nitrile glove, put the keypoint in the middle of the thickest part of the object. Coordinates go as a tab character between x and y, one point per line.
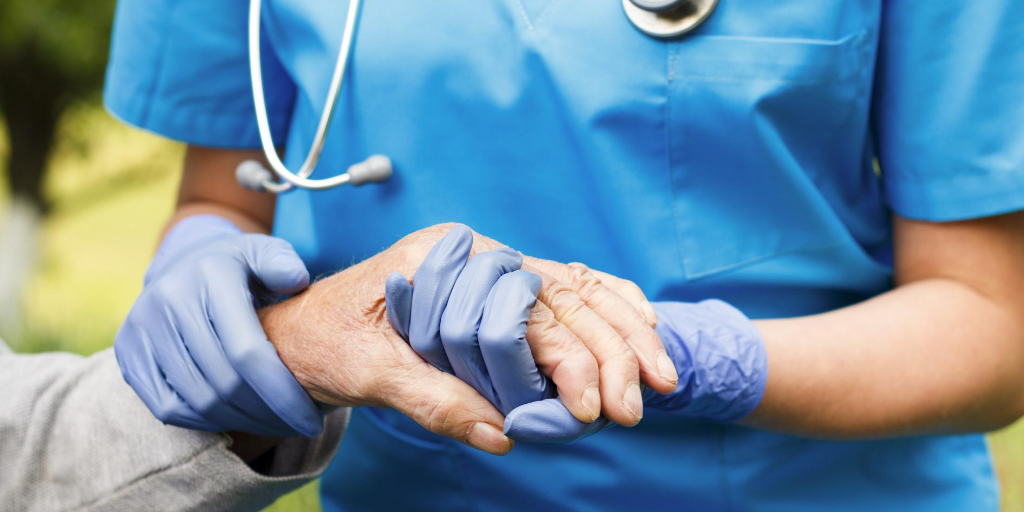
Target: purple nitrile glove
470	318
722	365
192	346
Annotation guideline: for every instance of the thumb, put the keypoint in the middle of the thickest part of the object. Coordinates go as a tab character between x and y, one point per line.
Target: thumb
444	405
398	299
276	264
548	421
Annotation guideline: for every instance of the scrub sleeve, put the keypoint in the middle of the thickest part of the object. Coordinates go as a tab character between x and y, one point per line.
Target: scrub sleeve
180	69
949	108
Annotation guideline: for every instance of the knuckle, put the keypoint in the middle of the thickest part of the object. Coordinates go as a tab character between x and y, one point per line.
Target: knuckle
625	363
242	353
162	413
562	299
588	284
500	340
207	405
553	337
163	410
439	416
164	293
579	370
233	387
459	335
210	266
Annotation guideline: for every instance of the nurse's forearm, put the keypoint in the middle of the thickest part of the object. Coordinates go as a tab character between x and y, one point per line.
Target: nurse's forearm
208	186
938	354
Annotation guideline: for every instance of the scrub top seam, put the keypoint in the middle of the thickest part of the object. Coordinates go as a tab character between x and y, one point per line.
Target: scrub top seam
672	56
524	14
543	11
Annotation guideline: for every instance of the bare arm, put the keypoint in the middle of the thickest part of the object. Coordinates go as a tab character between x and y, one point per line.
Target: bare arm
943	352
208	186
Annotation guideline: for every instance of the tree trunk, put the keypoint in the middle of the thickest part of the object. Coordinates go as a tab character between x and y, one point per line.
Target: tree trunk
31	100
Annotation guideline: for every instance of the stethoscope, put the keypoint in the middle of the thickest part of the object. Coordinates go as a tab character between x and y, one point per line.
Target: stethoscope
662	19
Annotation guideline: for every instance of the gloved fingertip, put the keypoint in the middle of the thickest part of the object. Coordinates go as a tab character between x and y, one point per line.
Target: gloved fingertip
533	281
311	429
395	283
398	302
283	272
460	231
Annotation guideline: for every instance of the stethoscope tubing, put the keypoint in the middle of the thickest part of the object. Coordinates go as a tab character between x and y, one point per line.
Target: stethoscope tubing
300	179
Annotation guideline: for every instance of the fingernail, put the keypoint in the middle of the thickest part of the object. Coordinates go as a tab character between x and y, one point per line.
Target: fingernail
649	313
592	401
666	369
634	401
489	439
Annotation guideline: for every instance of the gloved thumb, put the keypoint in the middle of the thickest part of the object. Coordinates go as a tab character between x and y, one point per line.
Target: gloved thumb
275	263
548	421
398	299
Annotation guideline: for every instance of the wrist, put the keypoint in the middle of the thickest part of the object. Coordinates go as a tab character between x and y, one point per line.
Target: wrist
293	338
720	357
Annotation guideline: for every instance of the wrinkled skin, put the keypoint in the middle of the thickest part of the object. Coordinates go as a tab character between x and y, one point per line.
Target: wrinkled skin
587	329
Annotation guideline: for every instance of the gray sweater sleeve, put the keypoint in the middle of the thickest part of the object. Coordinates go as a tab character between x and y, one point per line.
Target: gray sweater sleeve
73	436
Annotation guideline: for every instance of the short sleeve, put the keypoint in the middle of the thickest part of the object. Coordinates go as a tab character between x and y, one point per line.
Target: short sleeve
949	108
180	68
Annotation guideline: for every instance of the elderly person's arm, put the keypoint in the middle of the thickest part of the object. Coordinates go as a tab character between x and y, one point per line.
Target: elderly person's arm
74	436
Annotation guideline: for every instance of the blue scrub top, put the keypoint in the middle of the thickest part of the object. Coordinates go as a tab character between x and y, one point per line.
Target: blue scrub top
735	163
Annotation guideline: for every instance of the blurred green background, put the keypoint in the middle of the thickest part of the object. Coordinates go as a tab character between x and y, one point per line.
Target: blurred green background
83	199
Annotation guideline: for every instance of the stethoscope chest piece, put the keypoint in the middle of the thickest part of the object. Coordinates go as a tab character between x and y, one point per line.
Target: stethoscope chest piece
666	19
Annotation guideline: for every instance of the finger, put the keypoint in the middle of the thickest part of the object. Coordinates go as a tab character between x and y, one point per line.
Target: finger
275	263
252	355
141	372
566	360
461	319
446	406
432	285
632	293
398	299
620	374
206	351
185	378
656	369
548	421
622	287
503	345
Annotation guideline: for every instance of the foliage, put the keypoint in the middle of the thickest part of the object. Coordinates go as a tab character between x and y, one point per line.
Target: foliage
52	54
68	37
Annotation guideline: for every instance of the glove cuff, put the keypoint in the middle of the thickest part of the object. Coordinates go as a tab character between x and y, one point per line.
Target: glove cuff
188	234
720	357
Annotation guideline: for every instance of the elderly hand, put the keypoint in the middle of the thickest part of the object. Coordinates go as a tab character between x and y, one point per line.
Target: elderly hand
482	308
441	317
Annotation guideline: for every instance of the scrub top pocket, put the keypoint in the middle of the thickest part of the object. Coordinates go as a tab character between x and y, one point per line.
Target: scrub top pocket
753	128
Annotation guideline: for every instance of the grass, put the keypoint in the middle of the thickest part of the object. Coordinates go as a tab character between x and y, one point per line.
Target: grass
112	188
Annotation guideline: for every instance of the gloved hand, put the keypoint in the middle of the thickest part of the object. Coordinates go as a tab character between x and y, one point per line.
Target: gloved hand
470	318
717	352
719	355
192	346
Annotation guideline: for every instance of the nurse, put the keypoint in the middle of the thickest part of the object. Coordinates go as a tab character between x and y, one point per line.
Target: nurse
845	177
